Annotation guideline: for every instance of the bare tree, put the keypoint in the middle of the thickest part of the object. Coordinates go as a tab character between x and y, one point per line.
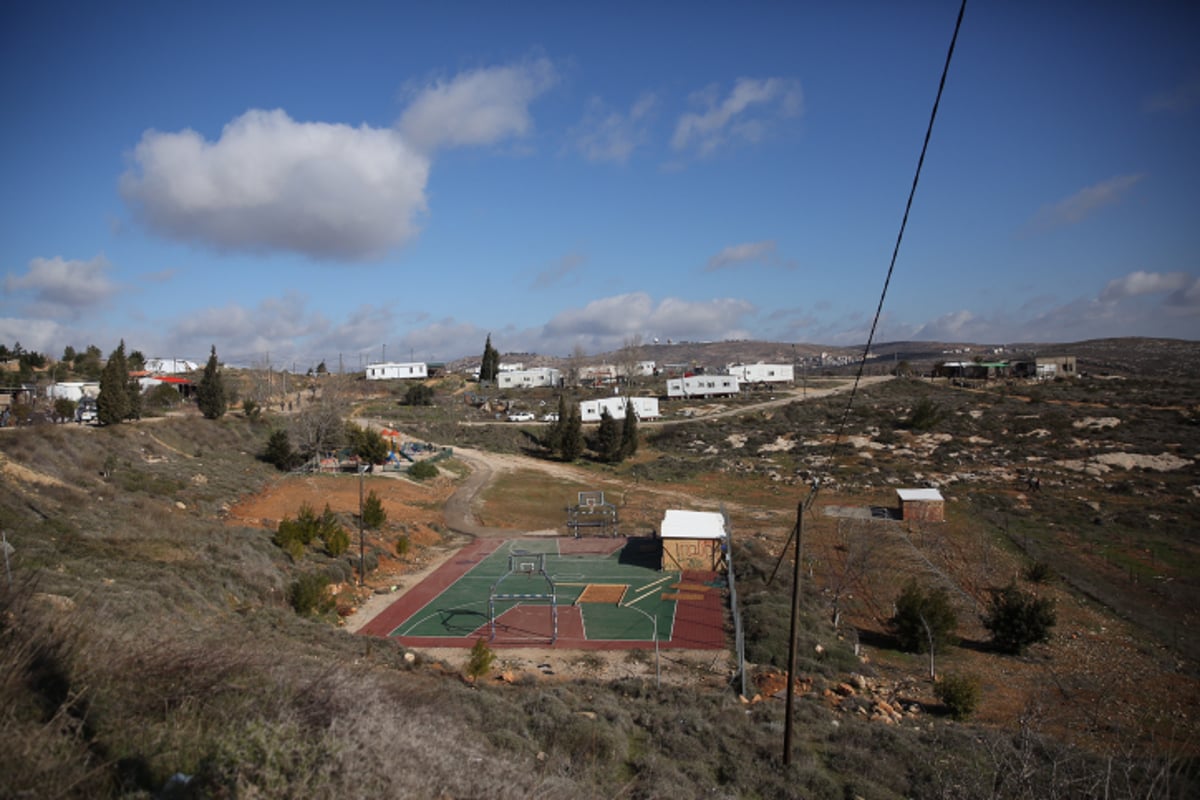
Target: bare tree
628	358
320	427
850	558
575	364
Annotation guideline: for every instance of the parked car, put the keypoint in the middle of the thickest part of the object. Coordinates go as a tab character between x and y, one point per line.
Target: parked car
551	417
86	410
521	416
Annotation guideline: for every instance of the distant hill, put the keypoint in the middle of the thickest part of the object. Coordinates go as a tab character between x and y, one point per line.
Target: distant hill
1116	356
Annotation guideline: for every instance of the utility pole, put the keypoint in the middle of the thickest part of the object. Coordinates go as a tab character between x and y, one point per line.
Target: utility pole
362	550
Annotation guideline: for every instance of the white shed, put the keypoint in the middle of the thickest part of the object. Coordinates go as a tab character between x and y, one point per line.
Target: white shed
692	540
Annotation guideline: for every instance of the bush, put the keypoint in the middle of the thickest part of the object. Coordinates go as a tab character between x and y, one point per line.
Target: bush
1017	619
423	470
337	541
308	595
402	546
419	395
1039	572
923	615
279	451
959	693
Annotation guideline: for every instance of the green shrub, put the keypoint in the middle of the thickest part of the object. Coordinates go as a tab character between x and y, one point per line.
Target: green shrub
337	541
402	546
480	660
423	470
308	595
1017	619
959	693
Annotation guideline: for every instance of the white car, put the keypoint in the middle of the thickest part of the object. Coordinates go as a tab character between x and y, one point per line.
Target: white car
521	416
551	417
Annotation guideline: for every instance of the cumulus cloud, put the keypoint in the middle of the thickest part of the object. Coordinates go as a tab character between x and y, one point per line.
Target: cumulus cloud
742	115
1182	289
748	253
606	135
271	183
606	323
64	286
38	335
477	107
1085	202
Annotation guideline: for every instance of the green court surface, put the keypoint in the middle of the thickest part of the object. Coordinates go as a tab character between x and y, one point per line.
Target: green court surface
628	596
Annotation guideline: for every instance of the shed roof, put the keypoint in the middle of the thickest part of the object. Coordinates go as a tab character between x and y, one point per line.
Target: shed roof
907	495
679	524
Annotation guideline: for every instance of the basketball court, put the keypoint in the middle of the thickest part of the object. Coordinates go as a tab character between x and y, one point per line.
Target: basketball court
578	593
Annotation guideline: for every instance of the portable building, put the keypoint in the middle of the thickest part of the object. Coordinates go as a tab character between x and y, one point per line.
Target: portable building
392	370
617	407
763	373
702	386
529	378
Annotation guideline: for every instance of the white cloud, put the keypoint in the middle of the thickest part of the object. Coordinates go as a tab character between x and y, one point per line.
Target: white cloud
271	183
64	287
478	107
747	253
43	336
956	326
732	118
605	135
606	323
1083	203
1179	284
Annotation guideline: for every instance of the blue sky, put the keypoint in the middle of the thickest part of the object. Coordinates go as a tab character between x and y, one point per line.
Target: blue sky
309	181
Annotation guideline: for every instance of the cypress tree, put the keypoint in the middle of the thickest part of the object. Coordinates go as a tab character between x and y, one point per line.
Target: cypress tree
608	439
629	432
210	394
489	366
112	404
572	435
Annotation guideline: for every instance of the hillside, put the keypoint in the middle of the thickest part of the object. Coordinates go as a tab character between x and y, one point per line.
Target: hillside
149	632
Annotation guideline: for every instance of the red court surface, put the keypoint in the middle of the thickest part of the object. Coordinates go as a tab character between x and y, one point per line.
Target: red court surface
699	615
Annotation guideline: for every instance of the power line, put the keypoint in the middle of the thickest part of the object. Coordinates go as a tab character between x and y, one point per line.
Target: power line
804	505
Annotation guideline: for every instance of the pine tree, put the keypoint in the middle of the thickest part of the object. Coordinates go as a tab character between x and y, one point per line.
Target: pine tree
210	394
571	445
112	404
629	432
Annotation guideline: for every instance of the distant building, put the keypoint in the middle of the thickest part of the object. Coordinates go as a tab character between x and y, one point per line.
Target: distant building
72	390
1047	368
702	386
693	540
922	505
392	370
529	378
171	366
617	407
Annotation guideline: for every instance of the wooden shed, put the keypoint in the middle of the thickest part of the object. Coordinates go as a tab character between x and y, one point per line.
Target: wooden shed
922	505
693	540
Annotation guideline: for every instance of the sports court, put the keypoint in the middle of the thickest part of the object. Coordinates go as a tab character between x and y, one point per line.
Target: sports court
563	592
